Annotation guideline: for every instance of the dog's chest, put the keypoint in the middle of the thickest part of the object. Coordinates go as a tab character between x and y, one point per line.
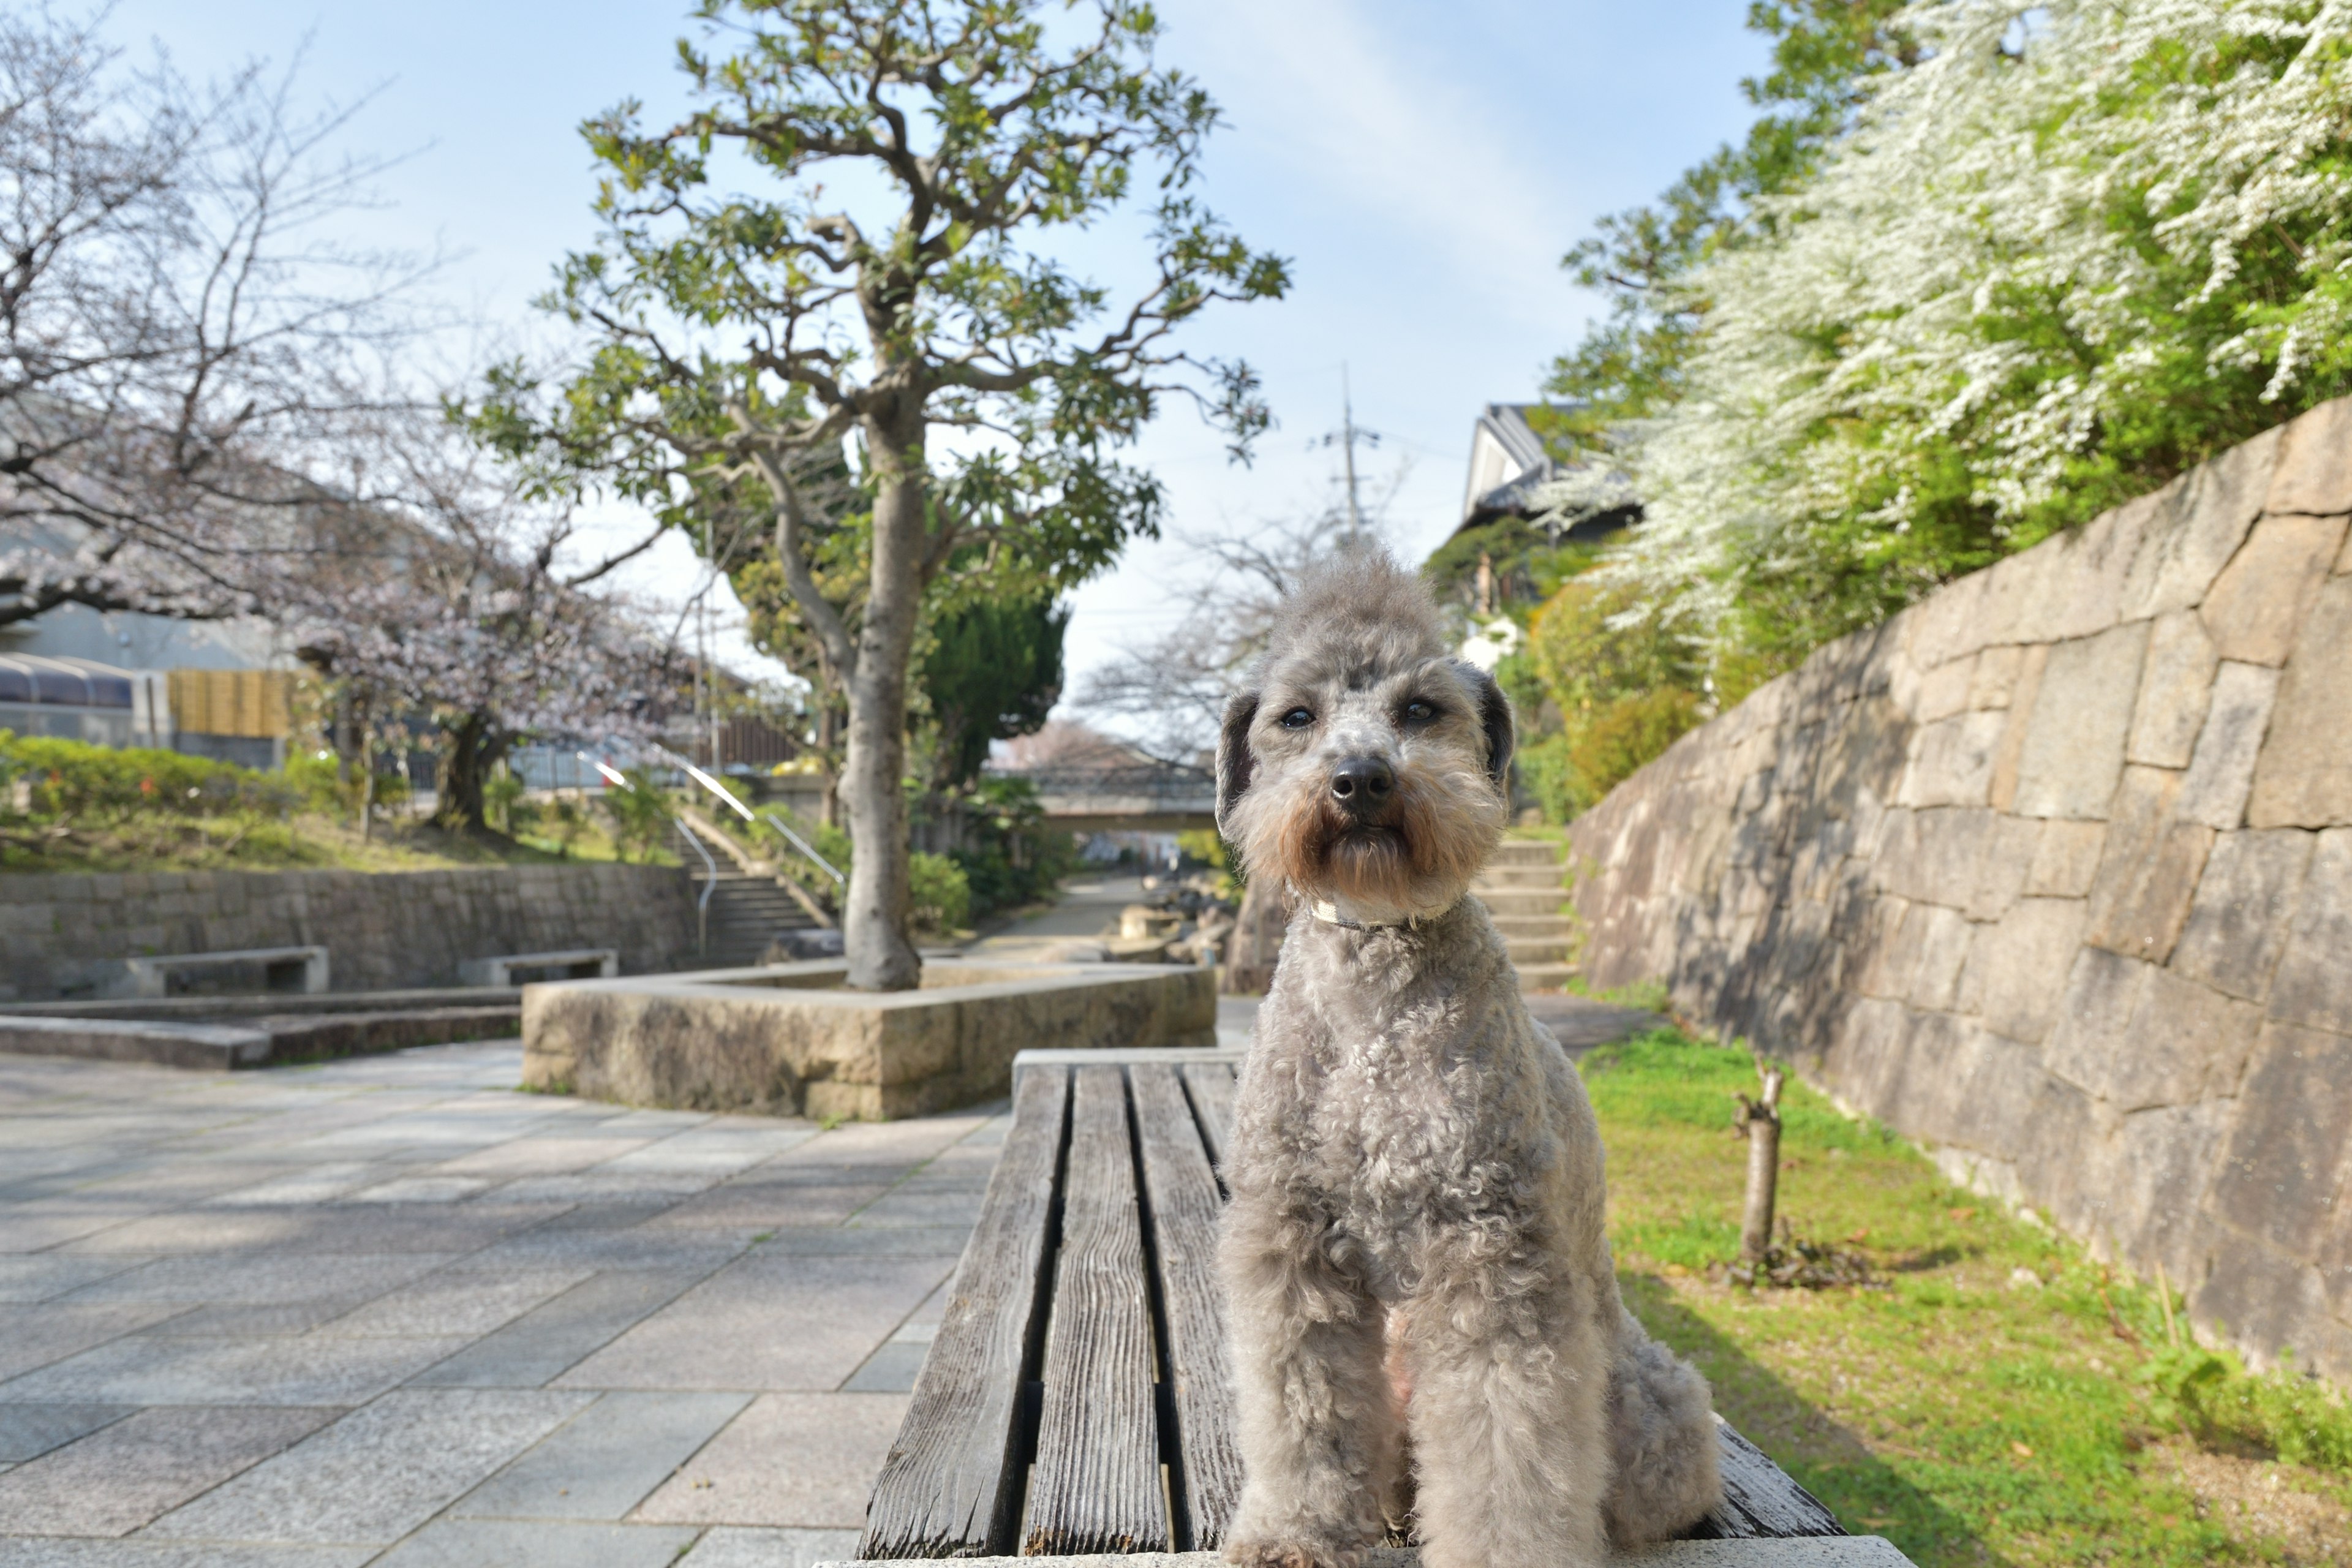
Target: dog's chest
1396	1142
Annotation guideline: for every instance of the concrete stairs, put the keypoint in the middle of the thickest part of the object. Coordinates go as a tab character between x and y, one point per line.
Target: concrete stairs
1523	888
747	910
747	905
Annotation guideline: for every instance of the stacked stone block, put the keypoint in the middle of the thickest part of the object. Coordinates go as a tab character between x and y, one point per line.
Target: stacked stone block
2053	873
62	935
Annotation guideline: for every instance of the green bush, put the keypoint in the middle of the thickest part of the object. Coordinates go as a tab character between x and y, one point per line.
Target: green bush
640	813
106	784
942	896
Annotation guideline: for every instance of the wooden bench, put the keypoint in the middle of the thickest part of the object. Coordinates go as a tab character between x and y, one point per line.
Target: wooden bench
1076	1398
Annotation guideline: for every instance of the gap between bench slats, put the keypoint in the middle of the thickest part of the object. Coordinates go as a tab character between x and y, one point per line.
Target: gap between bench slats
1211	1083
1095	1485
952	1483
1184	1204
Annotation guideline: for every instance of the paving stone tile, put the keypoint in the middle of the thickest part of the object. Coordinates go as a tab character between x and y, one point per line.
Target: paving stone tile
25	1228
550	1338
501	1543
140	1552
806	1459
37	1335
944	1242
268	1278
751	1203
250	1321
379	1472
539	1156
453	1301
117	1479
422	1190
636	1248
718	1148
603	1461
29	1431
934	1209
766	1324
592	1187
730	1546
890	1369
144	1370
316	1183
36	1276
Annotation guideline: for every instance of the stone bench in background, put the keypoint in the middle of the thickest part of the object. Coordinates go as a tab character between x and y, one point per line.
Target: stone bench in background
519	968
300	971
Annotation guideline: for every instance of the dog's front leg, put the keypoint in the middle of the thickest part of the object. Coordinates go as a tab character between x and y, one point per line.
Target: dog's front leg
1318	1430
1510	1454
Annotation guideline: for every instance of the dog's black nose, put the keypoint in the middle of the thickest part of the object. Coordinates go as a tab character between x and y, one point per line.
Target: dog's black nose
1362	783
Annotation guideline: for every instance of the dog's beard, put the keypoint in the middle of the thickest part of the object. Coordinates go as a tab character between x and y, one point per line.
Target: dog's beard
1418	858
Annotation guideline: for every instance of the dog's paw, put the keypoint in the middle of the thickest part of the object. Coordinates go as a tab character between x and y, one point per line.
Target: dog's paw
1288	1554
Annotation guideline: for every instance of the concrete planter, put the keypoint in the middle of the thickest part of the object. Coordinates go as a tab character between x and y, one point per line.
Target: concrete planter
783	1039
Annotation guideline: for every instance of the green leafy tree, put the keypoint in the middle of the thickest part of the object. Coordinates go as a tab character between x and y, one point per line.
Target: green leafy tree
887	278
1630	366
992	671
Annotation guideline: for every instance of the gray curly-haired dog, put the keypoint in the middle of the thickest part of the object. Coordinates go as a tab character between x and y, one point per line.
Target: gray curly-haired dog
1414	1255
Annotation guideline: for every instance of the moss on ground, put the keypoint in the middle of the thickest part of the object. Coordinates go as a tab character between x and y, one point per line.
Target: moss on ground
1997	1399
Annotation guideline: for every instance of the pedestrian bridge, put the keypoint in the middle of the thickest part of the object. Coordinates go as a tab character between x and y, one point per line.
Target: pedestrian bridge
1140	798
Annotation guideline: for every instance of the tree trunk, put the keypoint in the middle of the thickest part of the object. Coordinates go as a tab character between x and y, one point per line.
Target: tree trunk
874	917
467	755
1761	1120
1256	941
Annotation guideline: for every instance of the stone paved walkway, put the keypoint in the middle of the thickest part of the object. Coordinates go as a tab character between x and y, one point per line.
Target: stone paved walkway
391	1310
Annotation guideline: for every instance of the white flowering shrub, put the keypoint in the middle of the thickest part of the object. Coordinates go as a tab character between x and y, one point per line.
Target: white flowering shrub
2075	248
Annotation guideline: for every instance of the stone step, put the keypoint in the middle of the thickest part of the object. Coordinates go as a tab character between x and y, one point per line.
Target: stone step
1522	876
1518	901
1526	951
1526	852
1514	927
1544	976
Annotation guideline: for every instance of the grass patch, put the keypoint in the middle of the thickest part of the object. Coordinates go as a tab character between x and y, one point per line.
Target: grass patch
306	841
1997	1398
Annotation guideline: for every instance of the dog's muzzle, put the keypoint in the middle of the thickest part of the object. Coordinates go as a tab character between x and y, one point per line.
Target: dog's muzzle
1363	788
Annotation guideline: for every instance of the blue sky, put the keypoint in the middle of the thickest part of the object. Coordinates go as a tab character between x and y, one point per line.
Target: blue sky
1424	166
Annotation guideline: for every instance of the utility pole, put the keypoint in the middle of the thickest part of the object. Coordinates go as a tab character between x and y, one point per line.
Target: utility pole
1345	439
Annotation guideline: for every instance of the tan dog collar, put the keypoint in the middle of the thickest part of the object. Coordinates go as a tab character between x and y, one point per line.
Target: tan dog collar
1327	912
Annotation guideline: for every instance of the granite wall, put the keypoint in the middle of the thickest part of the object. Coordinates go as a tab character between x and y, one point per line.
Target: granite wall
64	935
2053	873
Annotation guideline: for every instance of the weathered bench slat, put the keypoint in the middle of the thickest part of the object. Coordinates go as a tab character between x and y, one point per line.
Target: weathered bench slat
1095	1485
952	1485
1211	1083
1184	1204
1760	1497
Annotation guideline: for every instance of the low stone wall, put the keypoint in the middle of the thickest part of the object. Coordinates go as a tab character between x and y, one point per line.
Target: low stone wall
65	935
785	1039
2053	873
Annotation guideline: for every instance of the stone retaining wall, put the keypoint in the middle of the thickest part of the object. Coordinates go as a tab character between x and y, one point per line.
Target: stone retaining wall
65	935
2053	873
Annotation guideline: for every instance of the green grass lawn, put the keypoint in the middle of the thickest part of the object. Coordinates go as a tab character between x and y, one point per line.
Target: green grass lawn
1991	1402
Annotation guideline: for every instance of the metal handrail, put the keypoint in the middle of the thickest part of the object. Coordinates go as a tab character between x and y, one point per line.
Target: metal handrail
802	844
709	885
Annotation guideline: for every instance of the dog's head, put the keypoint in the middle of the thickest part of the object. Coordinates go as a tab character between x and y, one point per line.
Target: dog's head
1361	763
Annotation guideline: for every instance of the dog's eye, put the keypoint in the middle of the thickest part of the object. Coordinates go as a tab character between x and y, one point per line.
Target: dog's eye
1296	719
1420	712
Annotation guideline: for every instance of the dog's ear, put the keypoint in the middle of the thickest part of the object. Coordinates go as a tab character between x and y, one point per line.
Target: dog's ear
1235	762
1495	719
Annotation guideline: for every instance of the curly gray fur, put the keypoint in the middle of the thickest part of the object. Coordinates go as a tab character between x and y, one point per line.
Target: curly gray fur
1414	1158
